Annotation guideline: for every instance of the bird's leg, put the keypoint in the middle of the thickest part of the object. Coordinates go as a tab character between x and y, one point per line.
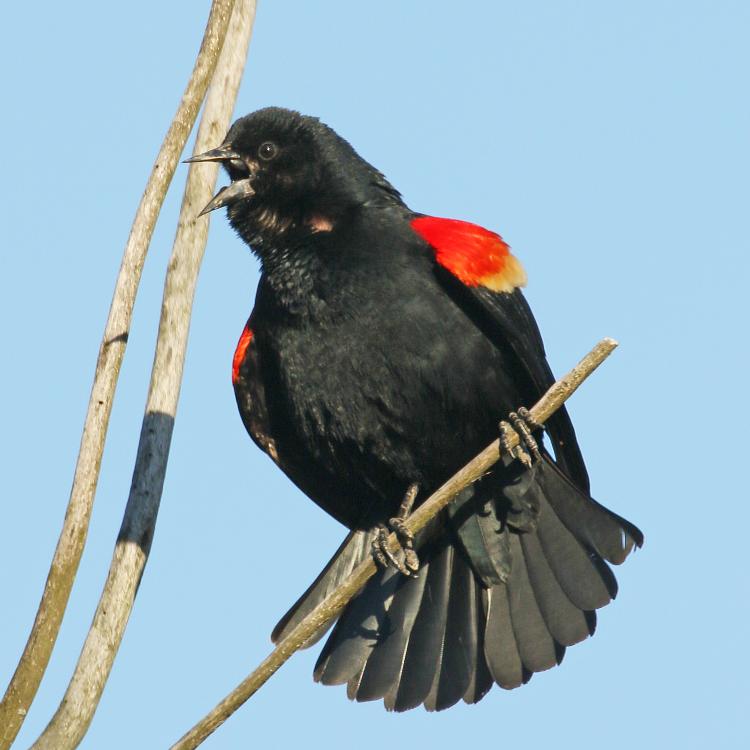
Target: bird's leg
403	532
522	423
406	560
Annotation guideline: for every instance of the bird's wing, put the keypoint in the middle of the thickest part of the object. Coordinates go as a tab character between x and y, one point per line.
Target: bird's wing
484	279
250	393
259	408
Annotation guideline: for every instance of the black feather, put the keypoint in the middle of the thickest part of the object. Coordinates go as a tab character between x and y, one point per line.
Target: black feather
566	623
427	638
481	680
457	656
352	551
611	536
575	569
383	669
500	647
357	631
535	644
483	535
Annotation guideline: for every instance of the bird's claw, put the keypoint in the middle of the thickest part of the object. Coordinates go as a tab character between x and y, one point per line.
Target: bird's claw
405	560
406	537
527	417
523	424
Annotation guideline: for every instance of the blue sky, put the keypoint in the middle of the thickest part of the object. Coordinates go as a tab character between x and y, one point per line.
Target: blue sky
607	142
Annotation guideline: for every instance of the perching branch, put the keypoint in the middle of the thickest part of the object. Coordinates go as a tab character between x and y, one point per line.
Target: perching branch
33	663
70	722
332	606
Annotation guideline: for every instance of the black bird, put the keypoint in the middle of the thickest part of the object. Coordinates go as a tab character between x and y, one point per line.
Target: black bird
383	348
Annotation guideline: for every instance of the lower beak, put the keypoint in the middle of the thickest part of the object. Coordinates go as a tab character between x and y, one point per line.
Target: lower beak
237	191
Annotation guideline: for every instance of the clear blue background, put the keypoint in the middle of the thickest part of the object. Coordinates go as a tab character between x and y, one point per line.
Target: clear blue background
607	142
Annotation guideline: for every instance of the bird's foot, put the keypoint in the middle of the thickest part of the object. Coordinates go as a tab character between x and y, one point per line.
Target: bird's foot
523	424
405	560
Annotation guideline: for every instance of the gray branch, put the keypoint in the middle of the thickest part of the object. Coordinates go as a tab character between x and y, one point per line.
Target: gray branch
76	710
33	662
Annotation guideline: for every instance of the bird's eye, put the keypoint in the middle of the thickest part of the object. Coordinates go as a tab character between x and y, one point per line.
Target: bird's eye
268	151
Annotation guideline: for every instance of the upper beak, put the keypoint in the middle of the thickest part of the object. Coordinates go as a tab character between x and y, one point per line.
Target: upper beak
238	190
223	153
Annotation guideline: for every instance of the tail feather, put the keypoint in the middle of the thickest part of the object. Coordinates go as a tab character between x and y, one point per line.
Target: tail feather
352	551
536	646
482	533
427	637
566	623
580	577
456	661
481	680
500	645
357	632
610	535
354	682
383	669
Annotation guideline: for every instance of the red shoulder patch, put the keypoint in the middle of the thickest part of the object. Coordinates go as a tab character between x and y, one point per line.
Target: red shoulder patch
240	351
474	255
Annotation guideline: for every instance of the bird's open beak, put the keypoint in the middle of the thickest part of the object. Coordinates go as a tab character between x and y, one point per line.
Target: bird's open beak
237	191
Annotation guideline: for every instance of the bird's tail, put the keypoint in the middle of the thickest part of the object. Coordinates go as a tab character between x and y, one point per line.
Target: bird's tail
515	578
354	549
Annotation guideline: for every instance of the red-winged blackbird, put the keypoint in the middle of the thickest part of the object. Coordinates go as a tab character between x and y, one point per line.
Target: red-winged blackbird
383	349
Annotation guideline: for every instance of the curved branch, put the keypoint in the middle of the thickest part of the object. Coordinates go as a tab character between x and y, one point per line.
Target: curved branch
332	606
76	710
33	663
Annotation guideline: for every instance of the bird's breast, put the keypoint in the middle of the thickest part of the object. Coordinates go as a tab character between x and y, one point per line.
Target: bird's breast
402	379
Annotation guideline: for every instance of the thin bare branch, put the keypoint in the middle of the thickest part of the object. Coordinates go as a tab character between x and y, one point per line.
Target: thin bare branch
76	710
332	606
33	663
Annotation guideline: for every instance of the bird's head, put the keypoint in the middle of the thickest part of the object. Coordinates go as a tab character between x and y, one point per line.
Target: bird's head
291	174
